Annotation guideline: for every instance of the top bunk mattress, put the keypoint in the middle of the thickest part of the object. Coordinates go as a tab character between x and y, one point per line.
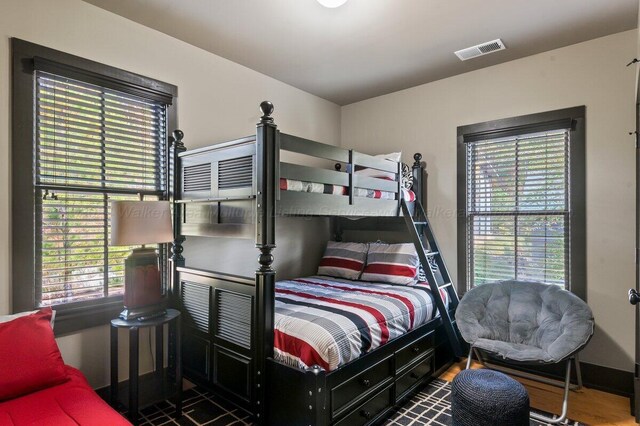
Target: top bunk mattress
331	321
323	188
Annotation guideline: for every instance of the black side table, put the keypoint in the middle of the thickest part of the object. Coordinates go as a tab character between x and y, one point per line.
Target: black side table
156	388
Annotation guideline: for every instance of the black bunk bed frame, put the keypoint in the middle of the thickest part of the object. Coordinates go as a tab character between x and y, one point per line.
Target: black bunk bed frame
232	190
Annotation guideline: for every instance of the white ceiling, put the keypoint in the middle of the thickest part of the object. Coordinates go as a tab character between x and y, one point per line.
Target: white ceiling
368	48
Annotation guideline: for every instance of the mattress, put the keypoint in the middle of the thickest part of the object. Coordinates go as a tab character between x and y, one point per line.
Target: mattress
322	188
330	322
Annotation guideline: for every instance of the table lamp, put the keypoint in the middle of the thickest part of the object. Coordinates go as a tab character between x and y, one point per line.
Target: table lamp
140	223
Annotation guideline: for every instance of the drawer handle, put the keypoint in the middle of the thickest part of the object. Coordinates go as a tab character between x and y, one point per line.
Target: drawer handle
365	382
413	375
366	414
416	349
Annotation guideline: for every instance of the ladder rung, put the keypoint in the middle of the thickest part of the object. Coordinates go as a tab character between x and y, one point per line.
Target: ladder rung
419	223
431	253
445	285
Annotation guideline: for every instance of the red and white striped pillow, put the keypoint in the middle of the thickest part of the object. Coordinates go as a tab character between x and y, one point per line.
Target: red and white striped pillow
343	260
392	263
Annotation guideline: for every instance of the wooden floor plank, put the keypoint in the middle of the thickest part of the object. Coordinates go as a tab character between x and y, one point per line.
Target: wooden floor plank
589	406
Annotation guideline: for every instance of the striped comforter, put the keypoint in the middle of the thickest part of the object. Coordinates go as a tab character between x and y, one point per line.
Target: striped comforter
329	321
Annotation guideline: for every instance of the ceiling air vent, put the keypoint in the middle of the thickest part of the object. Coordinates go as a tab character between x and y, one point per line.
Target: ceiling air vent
480	49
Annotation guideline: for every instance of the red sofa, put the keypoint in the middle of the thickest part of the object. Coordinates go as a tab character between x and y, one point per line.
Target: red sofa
37	388
70	403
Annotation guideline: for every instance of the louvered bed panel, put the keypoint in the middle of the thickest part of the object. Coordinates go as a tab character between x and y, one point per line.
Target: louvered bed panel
218	349
197	180
226	170
235	173
195	299
221	181
233	313
233	318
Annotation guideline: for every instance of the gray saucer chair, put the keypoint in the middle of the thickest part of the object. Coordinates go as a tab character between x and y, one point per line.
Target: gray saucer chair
526	323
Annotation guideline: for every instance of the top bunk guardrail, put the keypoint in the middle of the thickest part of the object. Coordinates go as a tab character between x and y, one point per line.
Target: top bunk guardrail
326	192
241	170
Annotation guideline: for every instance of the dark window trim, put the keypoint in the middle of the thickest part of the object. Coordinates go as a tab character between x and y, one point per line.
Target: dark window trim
112	78
573	118
25	55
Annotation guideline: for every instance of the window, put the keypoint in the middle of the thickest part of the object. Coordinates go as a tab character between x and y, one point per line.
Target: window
93	145
522	218
92	139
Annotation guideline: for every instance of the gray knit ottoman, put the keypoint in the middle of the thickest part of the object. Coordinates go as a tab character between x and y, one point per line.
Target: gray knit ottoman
488	398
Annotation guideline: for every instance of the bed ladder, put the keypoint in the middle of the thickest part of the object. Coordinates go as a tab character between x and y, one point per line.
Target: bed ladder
439	279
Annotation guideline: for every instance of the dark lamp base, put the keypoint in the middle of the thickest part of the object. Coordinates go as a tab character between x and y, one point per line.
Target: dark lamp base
143	297
143	313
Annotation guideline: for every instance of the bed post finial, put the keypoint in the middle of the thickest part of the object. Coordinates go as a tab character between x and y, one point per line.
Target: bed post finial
266	108
178	135
419	180
418	157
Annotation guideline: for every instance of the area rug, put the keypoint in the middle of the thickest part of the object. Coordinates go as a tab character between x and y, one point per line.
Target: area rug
430	407
199	407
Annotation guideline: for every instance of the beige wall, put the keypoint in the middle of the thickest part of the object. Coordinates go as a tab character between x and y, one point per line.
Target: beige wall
218	100
425	119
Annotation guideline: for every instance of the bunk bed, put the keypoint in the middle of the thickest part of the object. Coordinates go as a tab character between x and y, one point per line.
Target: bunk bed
236	190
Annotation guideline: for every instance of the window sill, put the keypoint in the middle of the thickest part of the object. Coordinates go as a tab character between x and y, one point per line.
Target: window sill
73	319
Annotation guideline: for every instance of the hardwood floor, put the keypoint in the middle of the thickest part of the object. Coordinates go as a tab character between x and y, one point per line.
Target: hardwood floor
592	407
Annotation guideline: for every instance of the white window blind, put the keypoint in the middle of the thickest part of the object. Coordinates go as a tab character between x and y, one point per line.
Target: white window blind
518	212
92	145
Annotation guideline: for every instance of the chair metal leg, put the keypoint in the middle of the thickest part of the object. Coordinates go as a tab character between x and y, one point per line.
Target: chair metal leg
531	376
469	358
576	359
565	401
480	358
566	385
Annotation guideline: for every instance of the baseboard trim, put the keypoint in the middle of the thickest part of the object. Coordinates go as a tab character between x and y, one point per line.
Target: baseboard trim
606	379
104	392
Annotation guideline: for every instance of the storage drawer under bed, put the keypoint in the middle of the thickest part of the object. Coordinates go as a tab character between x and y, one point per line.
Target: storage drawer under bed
413	376
409	354
370	410
360	386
